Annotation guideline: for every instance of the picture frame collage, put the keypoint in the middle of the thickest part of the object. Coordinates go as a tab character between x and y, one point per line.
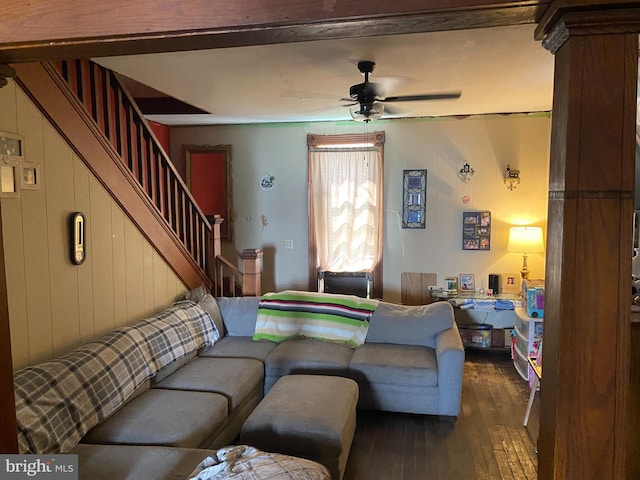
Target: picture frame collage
15	173
476	230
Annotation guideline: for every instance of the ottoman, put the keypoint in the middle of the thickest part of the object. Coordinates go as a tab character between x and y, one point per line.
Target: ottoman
308	416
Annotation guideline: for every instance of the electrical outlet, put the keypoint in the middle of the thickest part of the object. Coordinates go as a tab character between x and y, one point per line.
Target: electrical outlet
288	244
433	287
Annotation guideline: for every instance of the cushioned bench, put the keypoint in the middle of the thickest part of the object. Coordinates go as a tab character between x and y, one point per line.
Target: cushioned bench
308	416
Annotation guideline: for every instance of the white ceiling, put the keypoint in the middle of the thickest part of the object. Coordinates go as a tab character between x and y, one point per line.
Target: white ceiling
498	70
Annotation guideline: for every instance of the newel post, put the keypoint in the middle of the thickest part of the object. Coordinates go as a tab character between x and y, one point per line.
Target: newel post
214	248
251	272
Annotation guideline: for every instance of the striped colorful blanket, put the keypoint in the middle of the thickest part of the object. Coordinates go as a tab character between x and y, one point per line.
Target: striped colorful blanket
321	316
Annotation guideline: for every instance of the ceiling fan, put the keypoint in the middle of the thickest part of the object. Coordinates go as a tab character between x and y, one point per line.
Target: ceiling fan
367	101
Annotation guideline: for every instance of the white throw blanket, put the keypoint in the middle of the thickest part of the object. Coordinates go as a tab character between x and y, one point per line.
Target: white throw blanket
248	463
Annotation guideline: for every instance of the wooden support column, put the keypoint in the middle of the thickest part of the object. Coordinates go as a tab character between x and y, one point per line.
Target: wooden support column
251	272
589	247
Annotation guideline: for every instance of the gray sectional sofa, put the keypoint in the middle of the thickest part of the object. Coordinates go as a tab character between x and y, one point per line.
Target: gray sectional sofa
163	387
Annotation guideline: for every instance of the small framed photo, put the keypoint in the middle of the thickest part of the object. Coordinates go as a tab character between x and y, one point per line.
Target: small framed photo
451	284
10	146
9	179
467	282
30	178
510	283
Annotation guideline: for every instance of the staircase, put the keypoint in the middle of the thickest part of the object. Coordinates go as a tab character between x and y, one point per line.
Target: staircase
97	116
101	121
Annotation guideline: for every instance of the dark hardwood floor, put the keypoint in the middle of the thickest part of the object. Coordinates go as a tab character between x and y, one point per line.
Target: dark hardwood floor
487	442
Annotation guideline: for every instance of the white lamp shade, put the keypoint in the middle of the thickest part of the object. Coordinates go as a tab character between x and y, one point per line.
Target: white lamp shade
525	240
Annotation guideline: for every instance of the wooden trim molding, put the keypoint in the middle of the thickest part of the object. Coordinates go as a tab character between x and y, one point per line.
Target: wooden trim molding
51	30
375	138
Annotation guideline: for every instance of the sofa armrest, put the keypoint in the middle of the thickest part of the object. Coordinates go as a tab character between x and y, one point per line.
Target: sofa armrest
450	355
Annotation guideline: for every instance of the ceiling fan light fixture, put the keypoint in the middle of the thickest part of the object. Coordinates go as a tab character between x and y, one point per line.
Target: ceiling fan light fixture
366	112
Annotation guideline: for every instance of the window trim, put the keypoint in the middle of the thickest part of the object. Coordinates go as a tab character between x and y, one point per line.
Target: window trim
315	141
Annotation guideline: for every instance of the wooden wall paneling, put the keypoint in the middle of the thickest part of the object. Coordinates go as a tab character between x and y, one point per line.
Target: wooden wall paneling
100	218
159	280
84	272
13	242
36	242
64	280
8	107
119	268
147	274
15	270
134	272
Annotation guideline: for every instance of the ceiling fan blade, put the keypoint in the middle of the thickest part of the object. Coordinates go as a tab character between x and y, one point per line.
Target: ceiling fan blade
417	98
393	110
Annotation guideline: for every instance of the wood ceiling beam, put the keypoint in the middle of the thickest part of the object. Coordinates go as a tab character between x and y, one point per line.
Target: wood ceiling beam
70	29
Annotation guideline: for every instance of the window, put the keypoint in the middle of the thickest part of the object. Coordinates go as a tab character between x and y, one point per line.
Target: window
346	205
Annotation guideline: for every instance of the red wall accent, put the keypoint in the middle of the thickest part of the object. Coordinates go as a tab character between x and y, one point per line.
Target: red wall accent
161	131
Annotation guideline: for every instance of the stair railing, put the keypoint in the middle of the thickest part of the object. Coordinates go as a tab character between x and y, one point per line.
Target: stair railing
117	116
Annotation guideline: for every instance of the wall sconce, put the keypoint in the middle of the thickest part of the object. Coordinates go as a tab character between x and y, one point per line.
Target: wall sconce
466	172
511	178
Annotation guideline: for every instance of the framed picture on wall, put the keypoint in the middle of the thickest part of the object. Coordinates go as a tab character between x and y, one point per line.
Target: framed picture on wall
414	198
30	177
9	179
10	147
476	230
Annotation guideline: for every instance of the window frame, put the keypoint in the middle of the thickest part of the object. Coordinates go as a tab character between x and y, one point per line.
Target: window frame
375	139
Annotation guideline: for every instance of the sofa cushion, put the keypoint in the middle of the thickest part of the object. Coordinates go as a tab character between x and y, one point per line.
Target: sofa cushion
235	378
408	365
308	356
409	325
240	347
163	417
135	462
239	314
57	402
210	305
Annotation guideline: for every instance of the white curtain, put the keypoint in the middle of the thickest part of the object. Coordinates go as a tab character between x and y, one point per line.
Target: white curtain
346	194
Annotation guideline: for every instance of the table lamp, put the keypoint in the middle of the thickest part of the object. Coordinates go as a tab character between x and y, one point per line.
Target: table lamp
525	240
